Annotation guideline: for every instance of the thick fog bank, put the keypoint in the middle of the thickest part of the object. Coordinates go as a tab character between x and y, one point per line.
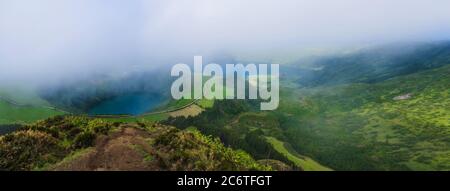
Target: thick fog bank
52	41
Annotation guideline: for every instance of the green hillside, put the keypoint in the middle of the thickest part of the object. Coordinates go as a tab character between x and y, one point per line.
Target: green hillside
303	162
389	113
239	124
78	143
398	124
377	64
22	105
12	114
384	108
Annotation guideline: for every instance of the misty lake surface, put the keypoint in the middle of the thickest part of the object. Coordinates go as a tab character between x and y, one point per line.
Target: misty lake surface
131	104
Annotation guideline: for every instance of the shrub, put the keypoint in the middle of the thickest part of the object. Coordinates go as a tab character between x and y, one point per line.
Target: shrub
98	126
84	139
25	150
181	150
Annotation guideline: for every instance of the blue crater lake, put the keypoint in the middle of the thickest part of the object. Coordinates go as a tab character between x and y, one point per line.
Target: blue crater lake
131	104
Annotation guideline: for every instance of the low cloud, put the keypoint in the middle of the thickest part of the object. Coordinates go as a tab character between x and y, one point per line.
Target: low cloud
50	40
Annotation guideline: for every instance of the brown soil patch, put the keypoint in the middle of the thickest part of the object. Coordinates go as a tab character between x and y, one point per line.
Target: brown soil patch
192	110
127	149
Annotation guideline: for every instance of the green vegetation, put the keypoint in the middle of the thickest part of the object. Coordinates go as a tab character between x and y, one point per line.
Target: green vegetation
363	127
377	64
378	109
197	151
21	106
12	114
22	95
141	119
36	145
238	125
22	114
173	104
71	143
28	149
303	162
205	103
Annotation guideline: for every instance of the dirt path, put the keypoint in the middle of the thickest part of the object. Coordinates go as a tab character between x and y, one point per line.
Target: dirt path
127	149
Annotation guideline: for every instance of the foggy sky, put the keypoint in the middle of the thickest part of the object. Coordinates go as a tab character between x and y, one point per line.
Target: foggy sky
56	39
